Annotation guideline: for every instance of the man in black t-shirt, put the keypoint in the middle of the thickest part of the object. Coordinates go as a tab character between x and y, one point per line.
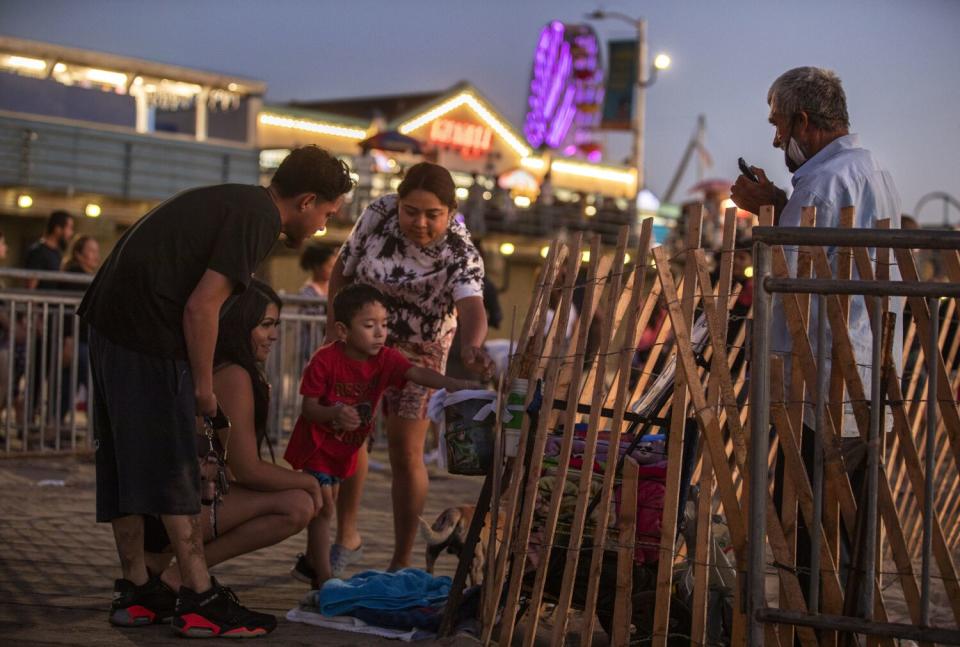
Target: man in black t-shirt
47	253
153	311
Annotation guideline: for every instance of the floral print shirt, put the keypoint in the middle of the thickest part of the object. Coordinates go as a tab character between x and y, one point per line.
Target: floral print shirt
422	283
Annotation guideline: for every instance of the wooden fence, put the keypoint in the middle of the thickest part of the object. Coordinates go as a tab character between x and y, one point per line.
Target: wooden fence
574	545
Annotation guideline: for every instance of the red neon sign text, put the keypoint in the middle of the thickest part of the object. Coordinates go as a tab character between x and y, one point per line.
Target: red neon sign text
471	140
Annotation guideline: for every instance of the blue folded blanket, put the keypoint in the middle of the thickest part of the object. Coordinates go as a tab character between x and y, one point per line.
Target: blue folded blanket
410	587
424	618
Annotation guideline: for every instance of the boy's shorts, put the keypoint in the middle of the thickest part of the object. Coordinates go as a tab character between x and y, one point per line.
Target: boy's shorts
411	401
323	478
145	431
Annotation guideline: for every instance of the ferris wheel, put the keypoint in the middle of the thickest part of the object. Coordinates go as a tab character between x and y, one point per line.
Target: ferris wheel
566	91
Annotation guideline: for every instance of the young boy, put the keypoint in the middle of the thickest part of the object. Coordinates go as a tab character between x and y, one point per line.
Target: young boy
341	388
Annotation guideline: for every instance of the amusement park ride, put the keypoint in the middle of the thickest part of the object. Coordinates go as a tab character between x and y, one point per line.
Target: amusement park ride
566	92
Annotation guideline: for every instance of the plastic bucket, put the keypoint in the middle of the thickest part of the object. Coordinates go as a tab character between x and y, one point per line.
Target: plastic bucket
469	442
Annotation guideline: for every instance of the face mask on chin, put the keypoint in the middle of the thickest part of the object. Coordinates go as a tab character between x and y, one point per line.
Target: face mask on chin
793	155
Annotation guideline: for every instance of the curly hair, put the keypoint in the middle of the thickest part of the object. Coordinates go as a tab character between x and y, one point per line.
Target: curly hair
311	169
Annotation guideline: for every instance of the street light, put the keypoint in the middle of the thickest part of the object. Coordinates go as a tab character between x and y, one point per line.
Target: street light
646	76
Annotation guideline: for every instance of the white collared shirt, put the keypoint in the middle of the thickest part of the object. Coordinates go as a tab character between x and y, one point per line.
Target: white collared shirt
841	174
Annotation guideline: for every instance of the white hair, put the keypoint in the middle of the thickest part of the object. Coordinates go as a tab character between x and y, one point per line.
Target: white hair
815	91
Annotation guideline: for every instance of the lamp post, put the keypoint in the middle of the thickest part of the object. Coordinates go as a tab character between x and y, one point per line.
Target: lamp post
646	76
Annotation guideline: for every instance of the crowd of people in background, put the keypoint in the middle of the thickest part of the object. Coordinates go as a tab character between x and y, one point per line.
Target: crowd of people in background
47	254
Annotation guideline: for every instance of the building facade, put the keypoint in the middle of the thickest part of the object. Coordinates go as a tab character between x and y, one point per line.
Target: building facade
106	137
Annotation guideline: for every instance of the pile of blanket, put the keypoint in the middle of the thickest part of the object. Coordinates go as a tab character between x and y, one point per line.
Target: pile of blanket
407	604
649	453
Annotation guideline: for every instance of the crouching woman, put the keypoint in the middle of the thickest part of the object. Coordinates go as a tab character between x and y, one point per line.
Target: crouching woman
266	503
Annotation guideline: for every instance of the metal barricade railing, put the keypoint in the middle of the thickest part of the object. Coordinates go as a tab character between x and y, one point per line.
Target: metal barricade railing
302	325
765	240
44	370
45	378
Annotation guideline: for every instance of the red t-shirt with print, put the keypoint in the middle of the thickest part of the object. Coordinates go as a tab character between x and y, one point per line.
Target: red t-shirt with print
332	377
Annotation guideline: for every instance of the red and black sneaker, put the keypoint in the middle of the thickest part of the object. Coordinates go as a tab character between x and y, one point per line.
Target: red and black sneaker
147	604
218	612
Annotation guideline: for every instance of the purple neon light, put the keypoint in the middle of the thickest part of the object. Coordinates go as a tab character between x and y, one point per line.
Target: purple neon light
566	75
548	45
562	119
559	79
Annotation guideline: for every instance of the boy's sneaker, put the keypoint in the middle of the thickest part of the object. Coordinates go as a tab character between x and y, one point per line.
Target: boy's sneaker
302	570
147	604
218	612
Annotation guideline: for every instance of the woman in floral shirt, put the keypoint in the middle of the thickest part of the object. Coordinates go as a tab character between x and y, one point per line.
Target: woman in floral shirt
409	246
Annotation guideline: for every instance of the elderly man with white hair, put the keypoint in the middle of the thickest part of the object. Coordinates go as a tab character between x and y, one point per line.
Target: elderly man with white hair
808	110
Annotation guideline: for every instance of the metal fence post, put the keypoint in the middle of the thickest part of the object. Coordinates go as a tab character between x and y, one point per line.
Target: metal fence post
759	445
820	425
873	462
929	460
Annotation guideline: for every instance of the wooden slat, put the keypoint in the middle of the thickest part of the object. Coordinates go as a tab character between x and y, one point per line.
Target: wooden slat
709	423
578	521
854	385
808	217
831	513
628	343
951	263
914	524
522	364
623	606
490	560
946	477
711	431
601	295
915	472
549	526
678	420
638	281
795	469
521	538
720	361
918	306
912	463
834	471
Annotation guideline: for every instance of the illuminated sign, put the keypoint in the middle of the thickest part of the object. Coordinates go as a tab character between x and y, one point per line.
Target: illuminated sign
566	91
471	140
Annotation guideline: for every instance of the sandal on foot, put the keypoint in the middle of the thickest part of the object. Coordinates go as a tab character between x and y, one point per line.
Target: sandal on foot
341	557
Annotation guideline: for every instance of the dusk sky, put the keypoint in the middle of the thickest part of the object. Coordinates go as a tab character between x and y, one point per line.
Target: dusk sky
899	61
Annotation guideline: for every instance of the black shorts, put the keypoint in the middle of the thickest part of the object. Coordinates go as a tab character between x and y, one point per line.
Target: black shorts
144	426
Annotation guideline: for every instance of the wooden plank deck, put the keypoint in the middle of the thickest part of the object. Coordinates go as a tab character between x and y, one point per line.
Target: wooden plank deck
57	565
